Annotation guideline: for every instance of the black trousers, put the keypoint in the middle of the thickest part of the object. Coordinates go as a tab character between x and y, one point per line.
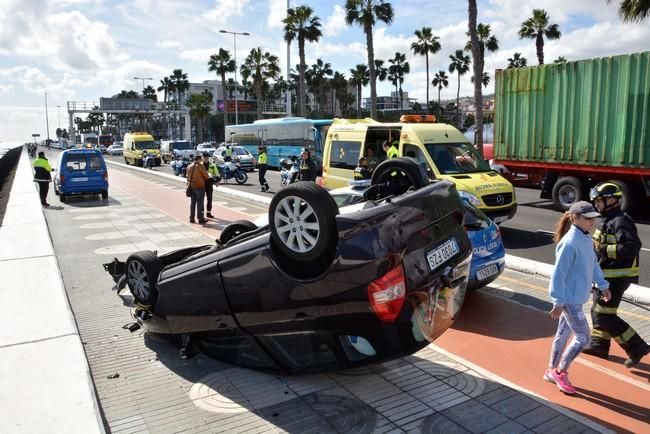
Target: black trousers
208	196
43	187
262	174
607	324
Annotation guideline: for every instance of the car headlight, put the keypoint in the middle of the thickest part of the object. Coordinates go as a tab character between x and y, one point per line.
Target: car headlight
469	197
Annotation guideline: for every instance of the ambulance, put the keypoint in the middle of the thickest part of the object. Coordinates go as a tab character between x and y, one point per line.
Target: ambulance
136	144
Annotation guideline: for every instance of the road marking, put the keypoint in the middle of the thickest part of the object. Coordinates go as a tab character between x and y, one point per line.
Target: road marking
614	374
645	250
545	232
545	290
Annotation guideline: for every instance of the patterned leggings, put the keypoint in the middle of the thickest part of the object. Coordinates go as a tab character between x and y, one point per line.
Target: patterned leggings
572	322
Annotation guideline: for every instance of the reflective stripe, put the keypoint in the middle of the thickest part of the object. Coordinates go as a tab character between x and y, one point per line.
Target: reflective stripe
611	239
611	251
596	235
621	272
626	336
392	152
606	310
597	333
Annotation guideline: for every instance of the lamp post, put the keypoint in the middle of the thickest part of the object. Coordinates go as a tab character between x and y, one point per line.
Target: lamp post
58	113
234	39
143	79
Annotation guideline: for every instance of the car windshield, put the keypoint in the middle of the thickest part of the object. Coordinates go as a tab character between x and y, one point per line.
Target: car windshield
207	145
148	144
241	151
452	158
181	146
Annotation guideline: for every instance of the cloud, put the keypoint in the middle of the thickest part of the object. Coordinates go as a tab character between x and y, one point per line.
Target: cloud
6	89
335	23
277	12
169	44
199	54
224	11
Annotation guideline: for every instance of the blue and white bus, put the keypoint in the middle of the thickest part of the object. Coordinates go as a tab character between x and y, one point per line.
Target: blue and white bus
283	137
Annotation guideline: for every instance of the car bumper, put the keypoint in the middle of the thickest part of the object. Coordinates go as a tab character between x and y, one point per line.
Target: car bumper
502	214
486	270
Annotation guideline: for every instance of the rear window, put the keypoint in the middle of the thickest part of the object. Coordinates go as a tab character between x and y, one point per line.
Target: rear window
95	162
344	155
75	162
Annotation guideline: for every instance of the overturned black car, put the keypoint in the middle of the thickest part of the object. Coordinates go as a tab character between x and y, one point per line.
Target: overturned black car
319	288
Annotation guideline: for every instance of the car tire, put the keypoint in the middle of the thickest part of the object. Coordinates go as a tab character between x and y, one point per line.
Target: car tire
63	197
397	175
241	177
317	209
126	161
235	229
105	194
567	191
142	270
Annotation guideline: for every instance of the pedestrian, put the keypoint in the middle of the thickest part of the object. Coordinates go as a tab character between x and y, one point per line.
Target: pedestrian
196	177
617	246
370	157
362	171
262	159
308	171
390	149
576	269
213	173
42	176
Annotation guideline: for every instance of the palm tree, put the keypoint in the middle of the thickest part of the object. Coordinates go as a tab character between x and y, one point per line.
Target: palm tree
381	72
199	105
399	68
633	11
366	13
300	24
359	78
319	72
485	81
261	66
426	44
150	93
537	27
127	94
222	63
560	60
459	64
167	87
440	80
181	83
517	61
338	84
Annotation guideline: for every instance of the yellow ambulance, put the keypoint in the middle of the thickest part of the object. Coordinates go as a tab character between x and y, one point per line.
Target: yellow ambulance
440	148
136	144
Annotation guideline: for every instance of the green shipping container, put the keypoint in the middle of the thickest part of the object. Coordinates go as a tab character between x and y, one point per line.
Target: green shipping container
592	112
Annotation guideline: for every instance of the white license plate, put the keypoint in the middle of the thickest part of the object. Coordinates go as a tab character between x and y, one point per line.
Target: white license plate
440	254
487	272
80	179
500	219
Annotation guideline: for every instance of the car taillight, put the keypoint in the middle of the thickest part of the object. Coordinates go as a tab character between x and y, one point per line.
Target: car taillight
387	294
62	178
105	175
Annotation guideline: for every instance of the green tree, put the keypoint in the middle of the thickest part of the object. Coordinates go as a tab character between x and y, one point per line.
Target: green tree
261	66
359	78
381	72
366	13
537	27
319	72
560	60
222	63
485	81
460	65
338	84
180	82
398	68
95	119
517	61
427	43
199	105
440	80
127	94
633	11
300	24
150	93
166	87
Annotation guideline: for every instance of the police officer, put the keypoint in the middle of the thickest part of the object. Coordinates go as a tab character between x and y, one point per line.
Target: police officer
308	169
42	176
262	167
213	172
362	171
617	246
227	154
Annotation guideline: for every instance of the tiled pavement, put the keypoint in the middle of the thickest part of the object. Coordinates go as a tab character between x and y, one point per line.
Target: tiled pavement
143	386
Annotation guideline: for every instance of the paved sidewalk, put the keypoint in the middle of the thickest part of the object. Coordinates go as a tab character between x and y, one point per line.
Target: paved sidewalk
46	383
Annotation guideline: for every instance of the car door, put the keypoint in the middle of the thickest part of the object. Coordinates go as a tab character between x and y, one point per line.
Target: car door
96	170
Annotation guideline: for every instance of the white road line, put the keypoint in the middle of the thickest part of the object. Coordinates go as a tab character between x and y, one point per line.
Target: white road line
645	250
545	232
614	374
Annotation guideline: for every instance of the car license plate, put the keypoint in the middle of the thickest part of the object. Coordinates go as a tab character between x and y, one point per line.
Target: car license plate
487	272
80	179
440	254
500	219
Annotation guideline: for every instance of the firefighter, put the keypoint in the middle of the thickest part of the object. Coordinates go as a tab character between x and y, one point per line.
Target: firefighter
617	247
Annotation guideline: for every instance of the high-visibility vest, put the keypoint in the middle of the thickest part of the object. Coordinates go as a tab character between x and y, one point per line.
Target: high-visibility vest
262	158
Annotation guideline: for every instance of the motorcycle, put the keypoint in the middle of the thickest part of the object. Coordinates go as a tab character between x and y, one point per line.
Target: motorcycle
148	161
179	166
229	170
289	171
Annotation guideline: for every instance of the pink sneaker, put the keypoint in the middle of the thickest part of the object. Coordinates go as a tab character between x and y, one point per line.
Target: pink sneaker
548	376
561	380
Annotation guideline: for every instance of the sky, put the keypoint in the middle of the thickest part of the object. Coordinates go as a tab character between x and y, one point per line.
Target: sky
81	50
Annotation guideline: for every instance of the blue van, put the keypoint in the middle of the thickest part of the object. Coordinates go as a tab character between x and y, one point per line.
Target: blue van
81	171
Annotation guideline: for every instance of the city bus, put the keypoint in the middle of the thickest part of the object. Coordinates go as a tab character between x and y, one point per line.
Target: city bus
283	137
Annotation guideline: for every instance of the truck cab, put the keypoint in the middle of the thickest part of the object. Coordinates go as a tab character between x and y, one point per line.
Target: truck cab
440	148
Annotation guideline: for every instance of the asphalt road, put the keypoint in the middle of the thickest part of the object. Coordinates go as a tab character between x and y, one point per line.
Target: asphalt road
528	235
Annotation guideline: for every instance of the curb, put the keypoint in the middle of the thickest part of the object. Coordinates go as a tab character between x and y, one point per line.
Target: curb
634	294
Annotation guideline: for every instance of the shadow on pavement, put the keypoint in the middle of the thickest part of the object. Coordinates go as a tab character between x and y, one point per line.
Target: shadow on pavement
89	201
630	410
521	239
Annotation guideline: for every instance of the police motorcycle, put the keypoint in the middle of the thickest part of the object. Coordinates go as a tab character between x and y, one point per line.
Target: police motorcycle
179	164
230	169
289	170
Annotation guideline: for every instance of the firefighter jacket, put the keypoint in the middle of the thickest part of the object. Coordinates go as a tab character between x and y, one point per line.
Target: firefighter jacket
618	245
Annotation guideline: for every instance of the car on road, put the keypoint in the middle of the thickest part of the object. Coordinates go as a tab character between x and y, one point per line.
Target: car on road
114	150
206	147
80	171
240	156
319	288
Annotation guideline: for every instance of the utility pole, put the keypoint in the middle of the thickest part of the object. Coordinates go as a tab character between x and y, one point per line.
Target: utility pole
143	79
288	71
234	38
47	123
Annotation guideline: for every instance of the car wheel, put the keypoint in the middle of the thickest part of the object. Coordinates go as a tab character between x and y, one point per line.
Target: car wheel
302	219
567	191
63	197
142	270
241	177
397	175
235	229
126	161
105	194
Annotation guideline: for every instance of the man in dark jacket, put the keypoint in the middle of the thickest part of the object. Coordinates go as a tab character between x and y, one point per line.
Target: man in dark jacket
617	246
308	170
42	176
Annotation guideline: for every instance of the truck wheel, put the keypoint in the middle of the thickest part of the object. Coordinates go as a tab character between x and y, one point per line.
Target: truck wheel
567	191
302	219
235	229
142	270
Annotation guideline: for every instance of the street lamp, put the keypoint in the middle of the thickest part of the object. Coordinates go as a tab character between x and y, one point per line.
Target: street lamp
58	113
234	39
143	79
